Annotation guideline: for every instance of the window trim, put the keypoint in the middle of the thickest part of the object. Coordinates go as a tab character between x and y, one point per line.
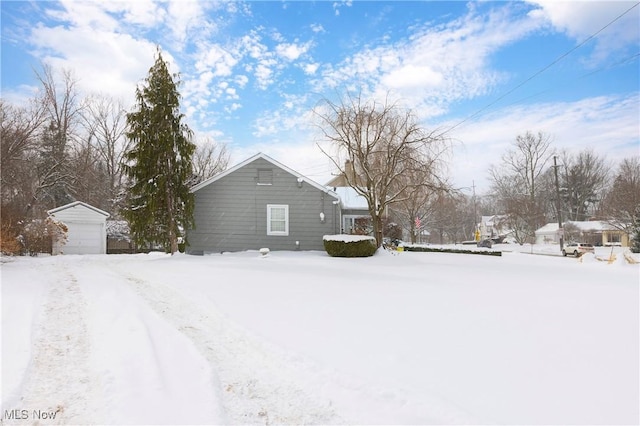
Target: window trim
270	207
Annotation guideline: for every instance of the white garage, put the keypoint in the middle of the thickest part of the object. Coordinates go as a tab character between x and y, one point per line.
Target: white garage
87	233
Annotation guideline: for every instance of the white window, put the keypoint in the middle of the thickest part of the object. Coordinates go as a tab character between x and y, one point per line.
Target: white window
277	219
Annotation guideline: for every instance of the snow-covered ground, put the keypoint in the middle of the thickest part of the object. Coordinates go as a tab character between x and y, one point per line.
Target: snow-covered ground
303	338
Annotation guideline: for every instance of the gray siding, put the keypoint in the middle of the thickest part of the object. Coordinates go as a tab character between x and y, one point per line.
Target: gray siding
231	213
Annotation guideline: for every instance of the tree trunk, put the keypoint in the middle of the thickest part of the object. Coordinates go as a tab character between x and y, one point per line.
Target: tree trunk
377	228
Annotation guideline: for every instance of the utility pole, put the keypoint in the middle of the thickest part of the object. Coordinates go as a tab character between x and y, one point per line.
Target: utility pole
560	230
476	231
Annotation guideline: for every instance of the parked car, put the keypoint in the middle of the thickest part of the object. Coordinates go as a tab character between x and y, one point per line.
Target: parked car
485	243
577	249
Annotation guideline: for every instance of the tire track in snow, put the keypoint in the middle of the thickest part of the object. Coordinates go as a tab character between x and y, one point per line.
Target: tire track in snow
256	384
59	385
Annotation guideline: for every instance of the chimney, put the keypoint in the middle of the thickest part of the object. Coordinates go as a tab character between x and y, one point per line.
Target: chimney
349	171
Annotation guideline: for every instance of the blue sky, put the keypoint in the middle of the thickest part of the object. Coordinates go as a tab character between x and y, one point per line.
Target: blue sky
252	71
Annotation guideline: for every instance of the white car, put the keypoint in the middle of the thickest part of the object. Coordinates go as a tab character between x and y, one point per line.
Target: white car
577	249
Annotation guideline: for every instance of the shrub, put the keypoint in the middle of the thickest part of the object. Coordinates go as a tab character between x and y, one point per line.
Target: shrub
9	243
393	231
349	245
38	235
451	250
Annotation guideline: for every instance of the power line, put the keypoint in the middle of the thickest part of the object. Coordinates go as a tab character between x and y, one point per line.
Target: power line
606	67
555	61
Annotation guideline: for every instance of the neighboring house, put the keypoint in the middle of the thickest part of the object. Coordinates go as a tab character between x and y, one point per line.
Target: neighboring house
86	229
355	209
493	227
261	203
596	232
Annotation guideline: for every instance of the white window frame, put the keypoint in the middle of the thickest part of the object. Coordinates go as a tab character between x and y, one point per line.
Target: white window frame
270	208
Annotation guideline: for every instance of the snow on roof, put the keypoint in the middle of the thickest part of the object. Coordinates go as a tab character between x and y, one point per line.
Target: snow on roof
593	225
117	228
350	199
548	228
589	225
493	219
78	203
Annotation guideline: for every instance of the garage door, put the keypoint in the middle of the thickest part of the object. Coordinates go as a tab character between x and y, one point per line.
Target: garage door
84	238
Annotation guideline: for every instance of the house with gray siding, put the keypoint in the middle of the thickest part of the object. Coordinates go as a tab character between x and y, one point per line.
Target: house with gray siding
261	203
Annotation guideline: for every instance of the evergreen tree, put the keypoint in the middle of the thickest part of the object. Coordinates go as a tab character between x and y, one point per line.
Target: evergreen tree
159	162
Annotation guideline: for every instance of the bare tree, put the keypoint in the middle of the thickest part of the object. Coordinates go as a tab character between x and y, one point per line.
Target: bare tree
517	183
621	205
583	181
446	218
383	142
417	205
90	178
208	160
104	121
18	141
55	183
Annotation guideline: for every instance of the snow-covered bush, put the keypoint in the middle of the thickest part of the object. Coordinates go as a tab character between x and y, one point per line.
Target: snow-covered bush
350	245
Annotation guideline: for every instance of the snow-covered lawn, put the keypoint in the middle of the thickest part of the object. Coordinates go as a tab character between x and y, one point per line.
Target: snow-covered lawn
303	338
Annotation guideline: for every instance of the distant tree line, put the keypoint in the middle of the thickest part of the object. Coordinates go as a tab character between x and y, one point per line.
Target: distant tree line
523	193
535	184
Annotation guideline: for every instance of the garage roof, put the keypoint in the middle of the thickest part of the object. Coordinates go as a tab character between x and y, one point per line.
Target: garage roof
78	203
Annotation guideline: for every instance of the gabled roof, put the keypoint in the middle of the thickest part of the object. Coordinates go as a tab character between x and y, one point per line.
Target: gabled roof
78	203
238	166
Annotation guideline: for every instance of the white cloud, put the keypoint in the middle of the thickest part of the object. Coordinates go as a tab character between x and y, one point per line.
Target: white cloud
438	65
290	118
292	51
339	4
310	68
264	72
86	15
241	80
580	20
214	58
412	77
251	43
103	61
233	107
317	28
608	125
231	93
186	19
145	13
